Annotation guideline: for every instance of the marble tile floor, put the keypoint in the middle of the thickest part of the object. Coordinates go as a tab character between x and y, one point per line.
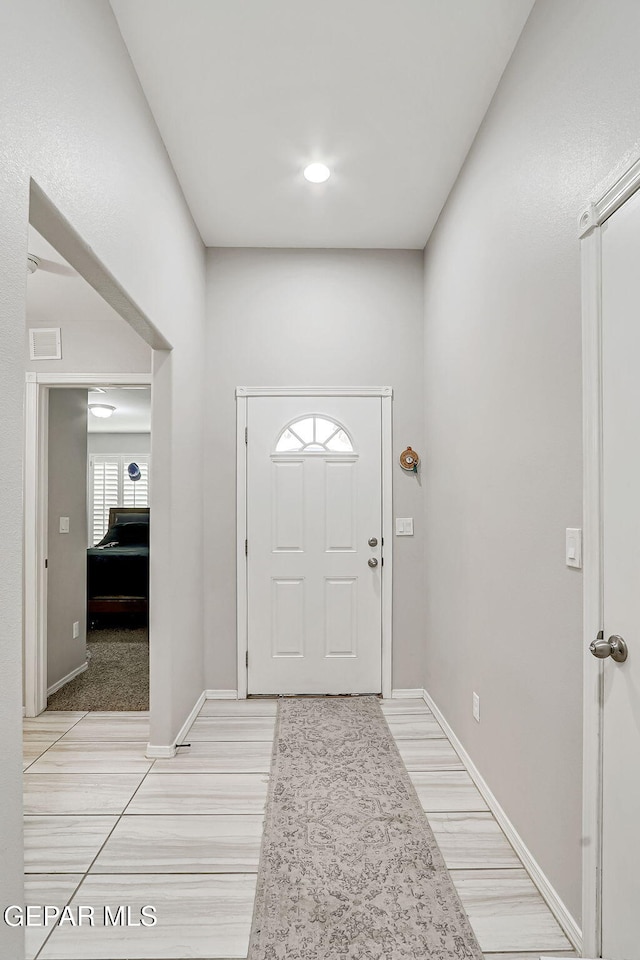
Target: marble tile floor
106	826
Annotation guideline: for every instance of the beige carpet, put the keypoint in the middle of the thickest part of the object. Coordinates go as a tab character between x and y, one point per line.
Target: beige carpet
117	677
349	867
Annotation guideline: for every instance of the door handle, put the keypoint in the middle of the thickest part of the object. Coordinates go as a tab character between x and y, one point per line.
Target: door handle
372	562
615	647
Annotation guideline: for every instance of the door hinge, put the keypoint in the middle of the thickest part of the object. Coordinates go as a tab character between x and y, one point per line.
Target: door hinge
246	434
246	659
246	548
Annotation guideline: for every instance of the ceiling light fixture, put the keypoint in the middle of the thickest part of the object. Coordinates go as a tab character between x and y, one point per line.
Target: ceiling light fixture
317	173
102	410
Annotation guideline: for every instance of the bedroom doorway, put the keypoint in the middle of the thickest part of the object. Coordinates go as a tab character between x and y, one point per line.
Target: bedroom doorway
92	540
111	652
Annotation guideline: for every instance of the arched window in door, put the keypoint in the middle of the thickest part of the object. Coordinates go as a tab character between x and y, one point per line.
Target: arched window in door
314	434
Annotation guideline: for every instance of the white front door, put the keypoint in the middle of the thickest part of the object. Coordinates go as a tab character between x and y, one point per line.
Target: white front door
621	596
314	541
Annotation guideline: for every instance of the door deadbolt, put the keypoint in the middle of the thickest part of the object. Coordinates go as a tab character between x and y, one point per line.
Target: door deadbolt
372	562
615	647
373	541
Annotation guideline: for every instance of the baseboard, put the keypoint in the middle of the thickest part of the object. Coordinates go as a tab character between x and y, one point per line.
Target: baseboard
160	751
70	676
413	693
548	892
221	694
167	751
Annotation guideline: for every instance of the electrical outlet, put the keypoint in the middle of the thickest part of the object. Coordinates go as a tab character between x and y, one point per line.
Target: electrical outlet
76	629
476	707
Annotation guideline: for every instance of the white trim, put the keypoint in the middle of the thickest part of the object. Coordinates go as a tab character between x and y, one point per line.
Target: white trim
293	456
387	541
91	379
592	612
35	536
242	640
222	695
160	752
37	387
167	751
314	391
590	222
547	891
412	693
595	214
70	676
242	395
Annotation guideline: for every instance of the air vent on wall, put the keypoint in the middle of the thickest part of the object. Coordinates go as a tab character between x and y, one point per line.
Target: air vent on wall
45	343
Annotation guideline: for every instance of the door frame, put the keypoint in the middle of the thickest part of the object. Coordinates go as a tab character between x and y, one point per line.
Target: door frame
590	225
385	394
37	387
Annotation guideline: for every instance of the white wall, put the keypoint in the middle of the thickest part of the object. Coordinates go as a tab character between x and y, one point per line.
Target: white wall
67	552
74	119
109	347
136	444
311	317
95	339
503	407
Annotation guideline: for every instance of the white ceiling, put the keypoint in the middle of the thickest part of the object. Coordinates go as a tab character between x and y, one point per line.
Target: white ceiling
56	293
133	410
389	93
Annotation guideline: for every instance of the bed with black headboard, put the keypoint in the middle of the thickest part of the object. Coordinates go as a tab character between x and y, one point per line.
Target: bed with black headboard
118	566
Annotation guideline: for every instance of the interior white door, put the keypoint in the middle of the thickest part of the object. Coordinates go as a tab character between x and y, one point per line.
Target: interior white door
314	534
621	544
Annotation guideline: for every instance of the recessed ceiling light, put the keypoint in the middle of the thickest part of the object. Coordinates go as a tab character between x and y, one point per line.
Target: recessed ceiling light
317	173
102	410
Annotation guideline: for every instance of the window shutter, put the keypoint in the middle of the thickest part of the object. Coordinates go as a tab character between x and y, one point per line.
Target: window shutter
105	494
110	486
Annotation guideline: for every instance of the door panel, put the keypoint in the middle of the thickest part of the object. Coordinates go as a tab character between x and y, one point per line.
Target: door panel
314	499
287	613
288	506
340	506
621	545
340	616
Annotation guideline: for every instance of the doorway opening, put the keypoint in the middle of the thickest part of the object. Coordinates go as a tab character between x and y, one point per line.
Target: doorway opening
98	559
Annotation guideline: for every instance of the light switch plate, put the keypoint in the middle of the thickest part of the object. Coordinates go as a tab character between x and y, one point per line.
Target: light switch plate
573	547
64	524
404	526
76	629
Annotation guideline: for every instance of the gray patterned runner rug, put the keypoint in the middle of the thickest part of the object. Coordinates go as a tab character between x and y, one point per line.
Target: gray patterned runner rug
349	867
